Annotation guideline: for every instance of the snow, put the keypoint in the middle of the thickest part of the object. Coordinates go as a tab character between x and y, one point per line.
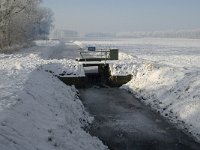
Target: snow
65	68
37	110
173	92
166	76
80	44
174	52
47	42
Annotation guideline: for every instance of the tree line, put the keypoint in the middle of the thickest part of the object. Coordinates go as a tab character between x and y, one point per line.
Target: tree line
22	21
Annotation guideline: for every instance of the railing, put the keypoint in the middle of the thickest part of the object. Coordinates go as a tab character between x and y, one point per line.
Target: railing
98	55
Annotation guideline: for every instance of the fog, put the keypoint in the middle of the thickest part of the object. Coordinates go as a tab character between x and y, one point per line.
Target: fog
125	16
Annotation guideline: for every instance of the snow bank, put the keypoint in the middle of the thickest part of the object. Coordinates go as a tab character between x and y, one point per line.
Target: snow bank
126	65
38	111
47	115
173	92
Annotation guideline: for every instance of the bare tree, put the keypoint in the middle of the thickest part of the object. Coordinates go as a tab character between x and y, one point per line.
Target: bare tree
22	21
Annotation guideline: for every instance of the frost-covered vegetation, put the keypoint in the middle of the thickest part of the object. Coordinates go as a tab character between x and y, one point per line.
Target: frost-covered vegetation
22	21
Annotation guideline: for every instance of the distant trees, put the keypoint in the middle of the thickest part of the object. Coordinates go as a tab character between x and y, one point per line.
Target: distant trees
22	21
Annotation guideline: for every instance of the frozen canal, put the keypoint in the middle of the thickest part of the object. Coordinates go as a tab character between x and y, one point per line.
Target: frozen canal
123	123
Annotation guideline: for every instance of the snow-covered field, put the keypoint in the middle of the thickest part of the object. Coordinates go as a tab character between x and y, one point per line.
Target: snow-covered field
38	111
166	75
176	52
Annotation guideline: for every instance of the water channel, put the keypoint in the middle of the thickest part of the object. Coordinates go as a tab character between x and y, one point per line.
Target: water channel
123	123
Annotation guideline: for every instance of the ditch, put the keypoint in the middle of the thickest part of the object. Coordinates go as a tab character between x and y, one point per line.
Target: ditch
122	122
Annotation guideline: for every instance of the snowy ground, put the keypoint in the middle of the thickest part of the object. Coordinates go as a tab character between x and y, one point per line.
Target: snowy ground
166	75
176	52
38	111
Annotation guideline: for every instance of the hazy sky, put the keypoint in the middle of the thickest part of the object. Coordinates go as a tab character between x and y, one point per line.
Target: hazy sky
125	15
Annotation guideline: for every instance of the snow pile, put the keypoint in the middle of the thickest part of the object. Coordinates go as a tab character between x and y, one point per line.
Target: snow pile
38	111
166	76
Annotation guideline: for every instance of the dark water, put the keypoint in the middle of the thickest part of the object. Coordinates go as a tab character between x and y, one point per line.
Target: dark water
123	123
